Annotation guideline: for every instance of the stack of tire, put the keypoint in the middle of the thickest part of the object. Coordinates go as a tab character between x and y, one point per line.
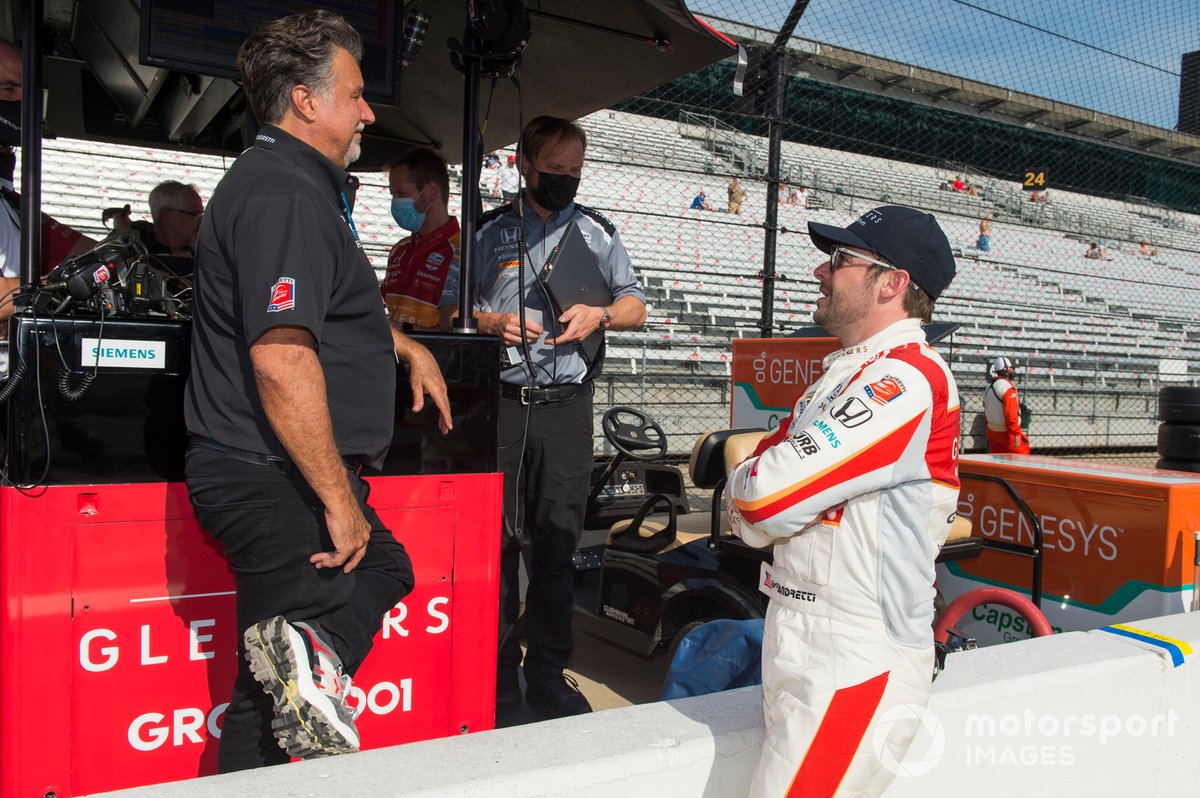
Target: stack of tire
1179	432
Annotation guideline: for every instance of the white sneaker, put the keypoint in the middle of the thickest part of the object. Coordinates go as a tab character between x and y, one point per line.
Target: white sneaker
303	675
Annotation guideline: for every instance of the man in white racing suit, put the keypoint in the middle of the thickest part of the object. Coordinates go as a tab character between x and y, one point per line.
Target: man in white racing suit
856	490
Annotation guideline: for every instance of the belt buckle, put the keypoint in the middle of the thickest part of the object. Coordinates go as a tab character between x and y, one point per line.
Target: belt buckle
526	391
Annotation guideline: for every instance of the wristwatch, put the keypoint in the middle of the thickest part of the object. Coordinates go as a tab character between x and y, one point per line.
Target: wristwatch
605	319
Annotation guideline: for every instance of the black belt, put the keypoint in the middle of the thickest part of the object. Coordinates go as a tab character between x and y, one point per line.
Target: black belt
545	395
353	462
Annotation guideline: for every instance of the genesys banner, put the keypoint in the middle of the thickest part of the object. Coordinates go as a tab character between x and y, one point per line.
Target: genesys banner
1115	542
770	374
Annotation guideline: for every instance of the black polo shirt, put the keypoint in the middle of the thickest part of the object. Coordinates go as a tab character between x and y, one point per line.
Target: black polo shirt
277	247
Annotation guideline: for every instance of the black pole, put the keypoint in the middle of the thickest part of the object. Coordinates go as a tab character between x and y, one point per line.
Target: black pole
778	68
466	322
790	23
776	62
31	142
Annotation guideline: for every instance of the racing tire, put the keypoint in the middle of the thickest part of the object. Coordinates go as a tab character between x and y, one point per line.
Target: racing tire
1179	404
1178	465
1177	441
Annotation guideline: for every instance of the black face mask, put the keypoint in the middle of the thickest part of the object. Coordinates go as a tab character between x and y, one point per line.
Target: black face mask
10	123
555	192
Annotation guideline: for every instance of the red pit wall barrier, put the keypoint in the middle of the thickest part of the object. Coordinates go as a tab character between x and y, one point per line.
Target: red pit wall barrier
118	642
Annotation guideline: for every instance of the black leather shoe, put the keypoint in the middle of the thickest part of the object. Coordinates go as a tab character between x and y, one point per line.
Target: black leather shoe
558	697
509	696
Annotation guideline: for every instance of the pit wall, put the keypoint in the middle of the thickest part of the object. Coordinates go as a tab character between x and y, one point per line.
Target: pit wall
1078	714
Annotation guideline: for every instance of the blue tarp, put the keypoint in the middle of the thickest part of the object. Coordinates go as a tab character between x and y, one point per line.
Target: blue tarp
716	656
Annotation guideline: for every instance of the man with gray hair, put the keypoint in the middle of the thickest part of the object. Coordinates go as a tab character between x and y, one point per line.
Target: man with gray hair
176	209
292	394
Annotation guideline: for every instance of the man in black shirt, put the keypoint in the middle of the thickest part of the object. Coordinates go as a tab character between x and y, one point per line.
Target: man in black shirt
292	393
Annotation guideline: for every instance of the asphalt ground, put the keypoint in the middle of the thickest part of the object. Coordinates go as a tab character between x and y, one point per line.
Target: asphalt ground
608	676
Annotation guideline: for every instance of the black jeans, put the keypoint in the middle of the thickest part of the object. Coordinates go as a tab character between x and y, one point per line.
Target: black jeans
269	522
547	508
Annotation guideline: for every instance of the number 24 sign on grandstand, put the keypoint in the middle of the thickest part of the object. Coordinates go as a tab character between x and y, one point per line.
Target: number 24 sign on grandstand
1035	179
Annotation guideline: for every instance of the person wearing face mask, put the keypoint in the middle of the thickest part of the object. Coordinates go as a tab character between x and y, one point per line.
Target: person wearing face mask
58	240
545	425
421	284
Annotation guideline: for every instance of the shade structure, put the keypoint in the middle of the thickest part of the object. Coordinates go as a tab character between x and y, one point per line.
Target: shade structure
581	57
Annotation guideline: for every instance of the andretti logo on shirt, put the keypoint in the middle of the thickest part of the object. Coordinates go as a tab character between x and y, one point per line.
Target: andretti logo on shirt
884	390
771	583
283	295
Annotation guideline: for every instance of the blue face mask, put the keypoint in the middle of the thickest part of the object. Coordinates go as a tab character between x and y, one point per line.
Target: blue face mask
404	211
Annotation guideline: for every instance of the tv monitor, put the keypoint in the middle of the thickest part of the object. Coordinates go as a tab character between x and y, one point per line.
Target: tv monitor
203	36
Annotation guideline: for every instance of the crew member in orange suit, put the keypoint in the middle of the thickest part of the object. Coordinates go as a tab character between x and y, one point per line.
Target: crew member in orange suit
1003	411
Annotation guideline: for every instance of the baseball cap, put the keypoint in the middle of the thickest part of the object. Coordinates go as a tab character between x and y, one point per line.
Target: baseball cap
512	159
908	239
1001	364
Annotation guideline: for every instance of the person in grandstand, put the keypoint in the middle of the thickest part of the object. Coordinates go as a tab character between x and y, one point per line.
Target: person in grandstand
1002	409
421	283
545	424
736	195
801	198
1096	252
856	490
984	243
510	179
701	203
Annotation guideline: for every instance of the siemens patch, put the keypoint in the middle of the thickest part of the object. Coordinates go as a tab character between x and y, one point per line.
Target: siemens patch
118	353
828	432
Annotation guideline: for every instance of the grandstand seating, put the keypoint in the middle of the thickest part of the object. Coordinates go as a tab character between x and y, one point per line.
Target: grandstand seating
1068	320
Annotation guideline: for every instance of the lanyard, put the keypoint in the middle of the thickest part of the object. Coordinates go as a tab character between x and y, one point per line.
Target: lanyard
350	219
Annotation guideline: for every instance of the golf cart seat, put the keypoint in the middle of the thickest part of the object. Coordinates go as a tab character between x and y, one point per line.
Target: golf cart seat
961	528
707	467
640	535
959	544
709	456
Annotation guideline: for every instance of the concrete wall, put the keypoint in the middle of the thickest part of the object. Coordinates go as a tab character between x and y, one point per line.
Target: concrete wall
1079	714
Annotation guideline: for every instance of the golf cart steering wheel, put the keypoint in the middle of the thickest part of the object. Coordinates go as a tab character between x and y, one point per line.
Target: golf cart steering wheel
634	434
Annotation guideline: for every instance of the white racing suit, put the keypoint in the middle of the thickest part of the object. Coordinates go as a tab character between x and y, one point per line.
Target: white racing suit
848	634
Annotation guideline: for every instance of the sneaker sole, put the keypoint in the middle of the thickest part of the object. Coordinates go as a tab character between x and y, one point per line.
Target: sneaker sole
301	726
